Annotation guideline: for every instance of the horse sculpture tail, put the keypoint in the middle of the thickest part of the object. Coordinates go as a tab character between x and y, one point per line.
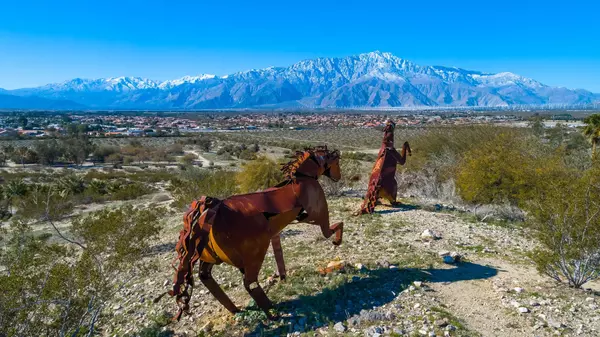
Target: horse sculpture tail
197	223
368	205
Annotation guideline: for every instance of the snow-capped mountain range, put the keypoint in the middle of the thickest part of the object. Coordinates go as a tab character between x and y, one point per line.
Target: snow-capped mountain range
373	79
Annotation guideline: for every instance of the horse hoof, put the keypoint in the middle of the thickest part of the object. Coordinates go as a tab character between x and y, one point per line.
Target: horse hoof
337	243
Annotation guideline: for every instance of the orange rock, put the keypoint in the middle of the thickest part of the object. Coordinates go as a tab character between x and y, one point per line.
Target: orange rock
331	267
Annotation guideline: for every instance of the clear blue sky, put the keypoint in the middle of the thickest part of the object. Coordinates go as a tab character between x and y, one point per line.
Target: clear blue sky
557	43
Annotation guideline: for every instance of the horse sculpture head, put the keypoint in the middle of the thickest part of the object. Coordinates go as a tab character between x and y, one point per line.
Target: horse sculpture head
388	133
314	162
330	163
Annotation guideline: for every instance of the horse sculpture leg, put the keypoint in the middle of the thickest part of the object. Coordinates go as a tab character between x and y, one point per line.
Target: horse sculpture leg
253	261
214	288
393	191
256	292
278	252
337	228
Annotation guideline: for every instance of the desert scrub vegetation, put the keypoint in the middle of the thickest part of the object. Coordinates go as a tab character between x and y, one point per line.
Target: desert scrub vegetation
20	195
370	157
565	214
241	151
77	149
442	155
61	289
547	175
353	173
258	174
254	175
193	183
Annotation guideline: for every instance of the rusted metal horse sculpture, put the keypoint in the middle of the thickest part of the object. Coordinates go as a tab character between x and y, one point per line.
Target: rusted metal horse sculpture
238	230
382	183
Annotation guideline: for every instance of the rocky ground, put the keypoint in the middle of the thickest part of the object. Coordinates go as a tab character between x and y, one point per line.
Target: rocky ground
407	271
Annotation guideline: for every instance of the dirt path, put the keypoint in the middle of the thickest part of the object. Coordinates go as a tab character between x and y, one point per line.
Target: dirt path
205	162
491	305
478	304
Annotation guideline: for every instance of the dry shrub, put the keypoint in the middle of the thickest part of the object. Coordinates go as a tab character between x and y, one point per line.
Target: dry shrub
352	175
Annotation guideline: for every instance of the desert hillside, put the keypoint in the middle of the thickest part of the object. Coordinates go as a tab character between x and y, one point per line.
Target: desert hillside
394	282
496	235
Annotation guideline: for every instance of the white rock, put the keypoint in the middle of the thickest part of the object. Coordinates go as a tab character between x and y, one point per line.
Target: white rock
339	327
554	324
523	310
418	284
456	256
518	290
429	235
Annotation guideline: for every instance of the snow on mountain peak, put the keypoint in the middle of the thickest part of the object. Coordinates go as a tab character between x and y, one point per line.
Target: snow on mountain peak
505	79
185	79
124	83
369	79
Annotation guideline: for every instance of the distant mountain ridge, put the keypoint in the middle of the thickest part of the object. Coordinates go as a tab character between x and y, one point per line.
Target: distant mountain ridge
375	80
36	103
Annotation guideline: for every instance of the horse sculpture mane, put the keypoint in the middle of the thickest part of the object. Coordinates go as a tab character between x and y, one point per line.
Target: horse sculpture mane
289	169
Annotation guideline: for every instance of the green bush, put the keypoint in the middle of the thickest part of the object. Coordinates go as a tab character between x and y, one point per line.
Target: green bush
105	153
195	182
48	151
44	201
188	159
130	191
247	154
24	155
498	170
258	175
565	215
61	290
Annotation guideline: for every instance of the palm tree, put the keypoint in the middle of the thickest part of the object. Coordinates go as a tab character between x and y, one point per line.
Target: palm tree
15	188
592	131
70	185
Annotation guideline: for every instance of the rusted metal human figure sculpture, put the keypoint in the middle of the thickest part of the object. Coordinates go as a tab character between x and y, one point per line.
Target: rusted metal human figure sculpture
382	183
238	230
